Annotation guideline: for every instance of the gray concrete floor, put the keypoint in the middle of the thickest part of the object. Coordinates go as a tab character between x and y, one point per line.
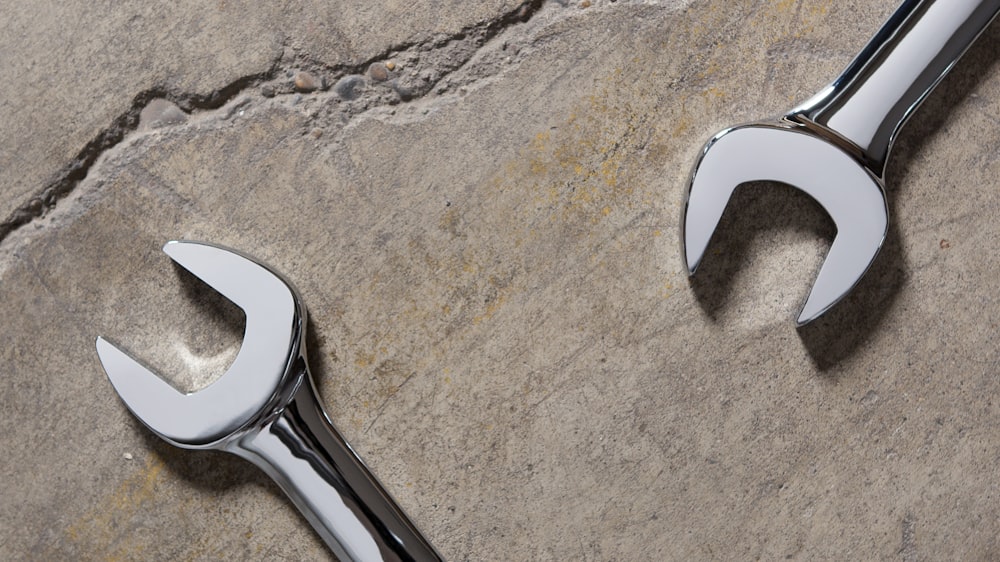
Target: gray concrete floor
487	240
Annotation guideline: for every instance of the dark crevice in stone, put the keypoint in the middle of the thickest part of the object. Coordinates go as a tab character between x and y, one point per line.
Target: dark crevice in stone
484	31
70	176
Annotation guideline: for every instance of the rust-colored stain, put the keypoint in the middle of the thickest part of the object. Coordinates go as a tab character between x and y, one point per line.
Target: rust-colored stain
364	359
580	169
565	195
802	18
578	195
105	532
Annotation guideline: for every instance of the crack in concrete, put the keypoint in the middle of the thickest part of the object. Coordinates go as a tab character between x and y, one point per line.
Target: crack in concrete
436	70
71	175
67	180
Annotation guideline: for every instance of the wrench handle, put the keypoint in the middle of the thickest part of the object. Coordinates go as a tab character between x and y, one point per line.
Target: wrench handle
872	99
306	456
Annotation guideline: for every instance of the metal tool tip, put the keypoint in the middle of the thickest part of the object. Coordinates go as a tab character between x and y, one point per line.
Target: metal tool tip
691	263
103	347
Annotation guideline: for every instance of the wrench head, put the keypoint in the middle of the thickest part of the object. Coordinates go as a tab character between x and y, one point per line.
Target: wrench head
258	377
851	194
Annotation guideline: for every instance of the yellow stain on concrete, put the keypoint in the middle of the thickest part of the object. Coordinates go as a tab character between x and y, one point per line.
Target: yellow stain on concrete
491	308
802	17
569	184
714	92
103	533
683	124
364	359
667	290
710	69
579	169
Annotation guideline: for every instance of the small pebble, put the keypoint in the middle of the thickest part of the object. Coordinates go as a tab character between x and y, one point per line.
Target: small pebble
390	65
127	456
306	82
404	91
349	87
267	90
585	4
945	244
317	133
379	72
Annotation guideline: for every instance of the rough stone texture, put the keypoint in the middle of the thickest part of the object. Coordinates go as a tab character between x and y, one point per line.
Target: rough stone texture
76	73
500	320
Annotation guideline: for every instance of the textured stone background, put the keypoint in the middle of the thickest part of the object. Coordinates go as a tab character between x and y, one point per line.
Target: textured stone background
487	242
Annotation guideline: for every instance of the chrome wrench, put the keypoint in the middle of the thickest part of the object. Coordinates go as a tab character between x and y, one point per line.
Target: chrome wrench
835	145
265	409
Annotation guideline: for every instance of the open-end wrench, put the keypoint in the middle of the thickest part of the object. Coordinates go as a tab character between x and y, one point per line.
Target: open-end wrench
265	409
835	145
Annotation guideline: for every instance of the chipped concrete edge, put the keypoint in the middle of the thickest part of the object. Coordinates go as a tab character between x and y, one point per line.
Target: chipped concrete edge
72	174
414	78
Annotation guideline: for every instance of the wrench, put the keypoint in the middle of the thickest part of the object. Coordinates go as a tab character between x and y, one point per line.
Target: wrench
835	145
265	409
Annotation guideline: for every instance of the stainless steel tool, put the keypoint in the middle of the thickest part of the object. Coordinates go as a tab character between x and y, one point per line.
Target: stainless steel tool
265	409
835	145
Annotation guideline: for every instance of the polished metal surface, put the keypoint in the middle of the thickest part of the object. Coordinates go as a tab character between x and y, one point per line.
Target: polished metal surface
835	145
849	193
265	409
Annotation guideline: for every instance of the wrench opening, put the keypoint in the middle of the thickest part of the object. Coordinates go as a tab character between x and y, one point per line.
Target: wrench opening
265	409
273	321
850	194
835	145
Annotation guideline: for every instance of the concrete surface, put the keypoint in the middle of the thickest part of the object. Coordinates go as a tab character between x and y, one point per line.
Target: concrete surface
487	242
76	73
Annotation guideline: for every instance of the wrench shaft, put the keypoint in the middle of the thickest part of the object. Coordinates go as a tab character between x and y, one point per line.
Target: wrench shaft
872	99
265	409
305	455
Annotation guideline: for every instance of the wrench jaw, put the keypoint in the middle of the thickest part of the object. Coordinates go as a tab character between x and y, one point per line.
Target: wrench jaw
850	127
265	409
136	385
851	193
260	378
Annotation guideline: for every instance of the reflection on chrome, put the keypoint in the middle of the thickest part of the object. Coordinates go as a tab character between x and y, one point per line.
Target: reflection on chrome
835	145
265	409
